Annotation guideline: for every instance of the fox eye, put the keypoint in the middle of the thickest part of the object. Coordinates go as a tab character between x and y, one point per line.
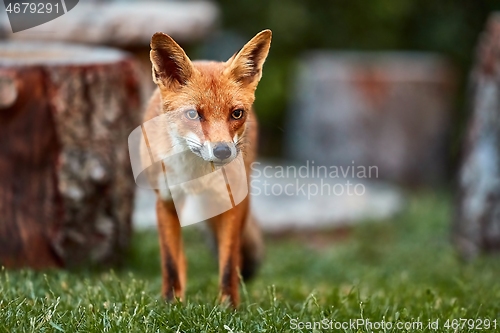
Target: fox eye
192	115
237	114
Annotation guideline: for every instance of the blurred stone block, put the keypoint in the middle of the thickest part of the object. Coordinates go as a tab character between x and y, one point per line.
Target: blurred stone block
311	200
388	109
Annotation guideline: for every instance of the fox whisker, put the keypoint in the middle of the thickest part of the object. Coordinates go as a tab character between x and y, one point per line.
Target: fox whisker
194	143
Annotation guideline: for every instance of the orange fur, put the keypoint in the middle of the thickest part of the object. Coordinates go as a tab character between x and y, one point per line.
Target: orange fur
215	90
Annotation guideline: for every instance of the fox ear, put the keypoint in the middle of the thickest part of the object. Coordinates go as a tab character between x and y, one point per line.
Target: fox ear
246	65
171	65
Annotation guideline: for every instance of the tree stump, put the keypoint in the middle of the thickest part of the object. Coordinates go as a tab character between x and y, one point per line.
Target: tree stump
66	187
385	109
477	222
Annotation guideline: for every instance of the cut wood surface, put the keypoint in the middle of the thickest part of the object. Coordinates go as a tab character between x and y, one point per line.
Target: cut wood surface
66	188
477	221
124	24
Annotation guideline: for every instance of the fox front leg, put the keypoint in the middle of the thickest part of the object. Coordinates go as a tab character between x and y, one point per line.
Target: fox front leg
173	262
228	229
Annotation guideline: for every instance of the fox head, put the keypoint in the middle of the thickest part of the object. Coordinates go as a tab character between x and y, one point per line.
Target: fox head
210	103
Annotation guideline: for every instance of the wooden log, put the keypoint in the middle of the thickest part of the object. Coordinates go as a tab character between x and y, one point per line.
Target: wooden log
66	188
476	226
124	23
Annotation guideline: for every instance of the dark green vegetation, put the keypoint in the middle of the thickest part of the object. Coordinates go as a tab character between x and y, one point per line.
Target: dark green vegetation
403	269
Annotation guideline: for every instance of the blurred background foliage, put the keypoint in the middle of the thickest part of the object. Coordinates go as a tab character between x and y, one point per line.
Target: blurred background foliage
448	27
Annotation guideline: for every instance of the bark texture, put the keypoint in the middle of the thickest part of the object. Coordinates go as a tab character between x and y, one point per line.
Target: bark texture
66	188
477	221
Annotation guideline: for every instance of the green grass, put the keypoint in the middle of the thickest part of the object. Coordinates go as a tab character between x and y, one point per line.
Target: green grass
401	270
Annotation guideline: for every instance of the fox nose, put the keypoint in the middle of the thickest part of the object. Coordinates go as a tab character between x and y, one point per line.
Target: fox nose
222	151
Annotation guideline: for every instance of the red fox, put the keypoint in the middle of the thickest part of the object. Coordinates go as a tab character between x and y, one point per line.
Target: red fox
216	125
